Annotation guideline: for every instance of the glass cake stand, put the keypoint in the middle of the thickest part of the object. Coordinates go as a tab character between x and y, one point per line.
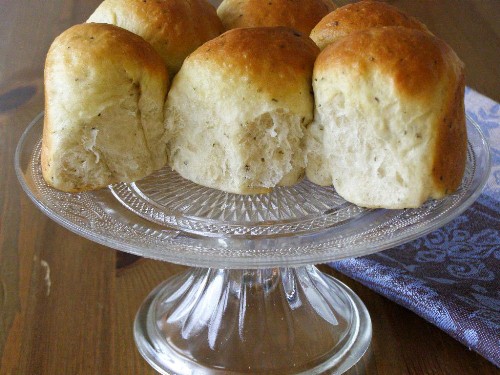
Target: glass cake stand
252	301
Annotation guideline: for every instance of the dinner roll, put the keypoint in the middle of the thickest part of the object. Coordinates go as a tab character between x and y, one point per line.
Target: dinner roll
174	28
389	128
104	98
301	15
361	16
238	107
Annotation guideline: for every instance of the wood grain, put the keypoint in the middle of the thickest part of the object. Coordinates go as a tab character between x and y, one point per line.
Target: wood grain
67	304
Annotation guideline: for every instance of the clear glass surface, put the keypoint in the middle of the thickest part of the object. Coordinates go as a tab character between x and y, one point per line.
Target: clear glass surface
262	321
261	307
169	218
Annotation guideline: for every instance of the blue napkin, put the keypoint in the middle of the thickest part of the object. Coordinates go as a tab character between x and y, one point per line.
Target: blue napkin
451	277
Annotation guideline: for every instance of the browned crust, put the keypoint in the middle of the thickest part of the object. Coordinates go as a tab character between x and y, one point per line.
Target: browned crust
361	16
276	59
417	61
451	142
174	28
91	43
301	15
424	69
94	42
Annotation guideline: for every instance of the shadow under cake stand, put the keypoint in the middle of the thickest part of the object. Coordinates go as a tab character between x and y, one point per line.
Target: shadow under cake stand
252	302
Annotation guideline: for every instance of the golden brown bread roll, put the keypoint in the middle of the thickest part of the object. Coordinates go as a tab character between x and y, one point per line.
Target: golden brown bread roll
389	128
174	28
301	15
104	97
360	16
238	107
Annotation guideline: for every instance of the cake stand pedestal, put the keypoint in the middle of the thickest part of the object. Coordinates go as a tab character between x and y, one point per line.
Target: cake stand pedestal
267	321
252	303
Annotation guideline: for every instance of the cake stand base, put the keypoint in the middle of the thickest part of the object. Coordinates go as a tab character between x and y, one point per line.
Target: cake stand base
262	321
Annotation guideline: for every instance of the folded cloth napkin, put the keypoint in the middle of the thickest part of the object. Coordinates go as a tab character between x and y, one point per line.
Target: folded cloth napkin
451	277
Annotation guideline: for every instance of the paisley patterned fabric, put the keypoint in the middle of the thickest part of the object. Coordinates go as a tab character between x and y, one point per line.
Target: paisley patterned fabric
451	277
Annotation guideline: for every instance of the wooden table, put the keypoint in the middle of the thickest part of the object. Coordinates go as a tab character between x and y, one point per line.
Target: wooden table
67	304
